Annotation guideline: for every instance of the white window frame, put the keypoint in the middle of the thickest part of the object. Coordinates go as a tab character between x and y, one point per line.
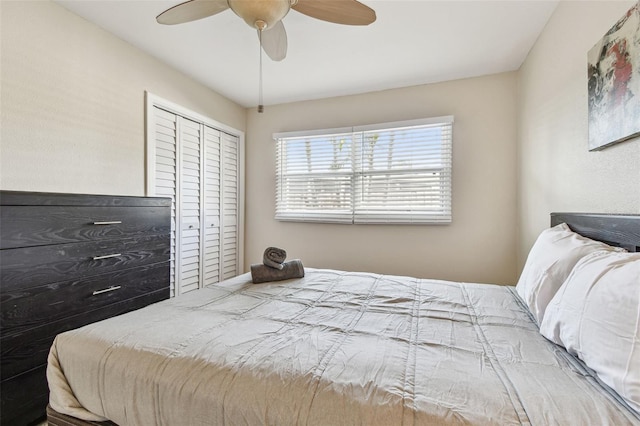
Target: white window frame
437	213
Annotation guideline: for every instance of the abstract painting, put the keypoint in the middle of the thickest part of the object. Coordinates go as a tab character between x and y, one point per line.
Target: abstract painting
614	83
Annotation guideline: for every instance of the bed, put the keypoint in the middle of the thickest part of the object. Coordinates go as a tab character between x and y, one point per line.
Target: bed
336	347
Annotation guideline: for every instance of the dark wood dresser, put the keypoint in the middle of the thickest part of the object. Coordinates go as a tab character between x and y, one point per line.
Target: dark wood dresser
68	260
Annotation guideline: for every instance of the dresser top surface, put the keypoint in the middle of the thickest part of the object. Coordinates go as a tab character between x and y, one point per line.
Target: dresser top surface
22	198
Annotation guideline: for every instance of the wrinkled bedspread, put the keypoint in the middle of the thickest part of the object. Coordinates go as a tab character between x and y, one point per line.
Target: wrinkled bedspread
332	348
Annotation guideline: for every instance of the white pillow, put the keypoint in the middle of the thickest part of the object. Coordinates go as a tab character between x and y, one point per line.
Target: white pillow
596	316
551	259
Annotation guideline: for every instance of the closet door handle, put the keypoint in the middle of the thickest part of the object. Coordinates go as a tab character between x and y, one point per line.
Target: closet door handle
107	256
106	290
110	222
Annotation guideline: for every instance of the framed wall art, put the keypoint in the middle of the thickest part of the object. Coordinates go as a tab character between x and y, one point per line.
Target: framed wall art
614	83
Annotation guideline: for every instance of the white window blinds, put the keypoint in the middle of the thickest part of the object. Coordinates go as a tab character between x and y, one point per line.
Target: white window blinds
386	173
315	178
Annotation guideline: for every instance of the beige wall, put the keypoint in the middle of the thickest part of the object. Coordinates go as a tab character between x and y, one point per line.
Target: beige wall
480	243
556	170
73	103
72	120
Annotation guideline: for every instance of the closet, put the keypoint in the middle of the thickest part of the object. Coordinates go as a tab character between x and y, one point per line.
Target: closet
196	162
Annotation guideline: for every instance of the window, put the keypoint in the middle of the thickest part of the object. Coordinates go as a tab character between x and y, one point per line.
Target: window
385	173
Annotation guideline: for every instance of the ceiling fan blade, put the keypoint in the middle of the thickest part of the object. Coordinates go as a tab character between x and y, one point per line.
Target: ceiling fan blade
274	41
191	10
348	12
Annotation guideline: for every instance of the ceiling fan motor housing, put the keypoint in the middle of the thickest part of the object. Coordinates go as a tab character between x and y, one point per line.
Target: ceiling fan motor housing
261	14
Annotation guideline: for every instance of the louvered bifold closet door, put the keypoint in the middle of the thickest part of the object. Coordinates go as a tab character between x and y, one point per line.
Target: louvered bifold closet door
190	205
198	166
230	199
165	172
211	189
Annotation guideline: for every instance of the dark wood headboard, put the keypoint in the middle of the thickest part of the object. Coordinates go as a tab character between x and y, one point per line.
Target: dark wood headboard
614	229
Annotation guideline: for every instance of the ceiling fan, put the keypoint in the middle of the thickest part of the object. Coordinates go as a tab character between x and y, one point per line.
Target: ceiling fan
266	16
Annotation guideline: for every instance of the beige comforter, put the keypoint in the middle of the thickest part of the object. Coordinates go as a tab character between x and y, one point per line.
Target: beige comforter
332	348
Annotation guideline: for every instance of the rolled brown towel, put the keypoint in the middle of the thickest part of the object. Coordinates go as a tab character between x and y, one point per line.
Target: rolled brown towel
274	257
291	269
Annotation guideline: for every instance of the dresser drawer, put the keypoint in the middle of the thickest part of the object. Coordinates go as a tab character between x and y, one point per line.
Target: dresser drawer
23	268
28	308
28	349
27	226
24	398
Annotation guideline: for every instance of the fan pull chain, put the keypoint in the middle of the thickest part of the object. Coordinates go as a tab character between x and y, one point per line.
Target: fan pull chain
260	105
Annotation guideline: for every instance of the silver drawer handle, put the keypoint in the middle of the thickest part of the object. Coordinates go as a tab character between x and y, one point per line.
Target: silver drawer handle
107	256
106	290
111	222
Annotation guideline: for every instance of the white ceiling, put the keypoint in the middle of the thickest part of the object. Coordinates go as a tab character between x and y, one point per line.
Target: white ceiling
412	42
